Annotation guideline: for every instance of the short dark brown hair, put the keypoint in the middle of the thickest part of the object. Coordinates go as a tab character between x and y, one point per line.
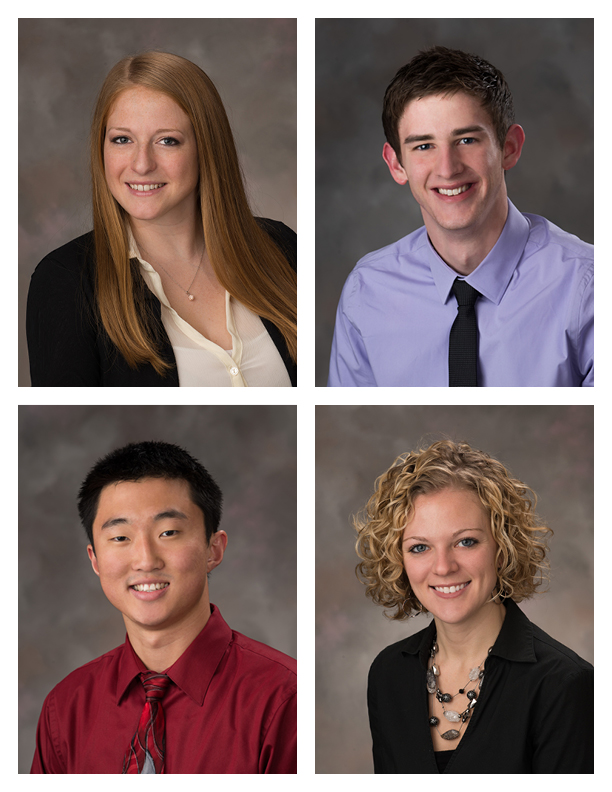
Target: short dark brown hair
443	71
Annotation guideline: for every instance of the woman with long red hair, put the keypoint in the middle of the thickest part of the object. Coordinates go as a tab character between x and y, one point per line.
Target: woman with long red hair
178	283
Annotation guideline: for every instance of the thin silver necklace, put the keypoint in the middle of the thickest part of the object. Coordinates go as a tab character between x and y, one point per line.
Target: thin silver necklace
190	296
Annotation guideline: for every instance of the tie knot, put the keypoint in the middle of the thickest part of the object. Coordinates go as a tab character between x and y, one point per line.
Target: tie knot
465	294
155	685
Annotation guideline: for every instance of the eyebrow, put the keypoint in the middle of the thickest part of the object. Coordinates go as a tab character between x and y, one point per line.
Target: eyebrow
157	131
167	514
455	133
424	539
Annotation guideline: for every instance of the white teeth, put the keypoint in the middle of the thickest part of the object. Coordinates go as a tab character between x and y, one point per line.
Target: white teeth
450	589
150	586
145	187
457	191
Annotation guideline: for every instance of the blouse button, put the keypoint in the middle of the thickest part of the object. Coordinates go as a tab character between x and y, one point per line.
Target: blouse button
233	371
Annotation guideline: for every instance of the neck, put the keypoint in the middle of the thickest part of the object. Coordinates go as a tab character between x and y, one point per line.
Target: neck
160	648
468	644
465	248
181	241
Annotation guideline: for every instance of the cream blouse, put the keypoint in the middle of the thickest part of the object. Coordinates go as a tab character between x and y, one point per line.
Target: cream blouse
253	360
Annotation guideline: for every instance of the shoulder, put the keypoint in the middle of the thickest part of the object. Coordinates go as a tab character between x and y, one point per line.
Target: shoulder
86	676
71	265
556	660
379	266
565	247
283	236
388	256
398	653
261	660
74	255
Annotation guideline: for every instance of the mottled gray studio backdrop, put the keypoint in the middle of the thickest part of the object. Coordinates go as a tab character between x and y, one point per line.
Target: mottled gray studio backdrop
64	618
549	66
548	448
62	64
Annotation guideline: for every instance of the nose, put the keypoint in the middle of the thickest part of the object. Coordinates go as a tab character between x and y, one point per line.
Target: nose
449	162
143	161
145	555
445	563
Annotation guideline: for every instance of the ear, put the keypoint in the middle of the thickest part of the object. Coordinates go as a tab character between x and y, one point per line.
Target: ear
94	561
513	146
216	549
394	165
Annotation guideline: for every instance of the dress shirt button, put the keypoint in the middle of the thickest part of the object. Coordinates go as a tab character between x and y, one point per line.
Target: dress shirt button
234	371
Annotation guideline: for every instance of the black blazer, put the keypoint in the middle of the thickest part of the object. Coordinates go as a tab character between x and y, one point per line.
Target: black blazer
67	342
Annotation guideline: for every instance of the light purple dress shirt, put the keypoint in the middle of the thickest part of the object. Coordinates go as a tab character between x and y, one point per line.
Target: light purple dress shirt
535	315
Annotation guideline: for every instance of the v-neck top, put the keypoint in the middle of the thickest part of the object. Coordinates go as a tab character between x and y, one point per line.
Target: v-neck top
253	360
534	711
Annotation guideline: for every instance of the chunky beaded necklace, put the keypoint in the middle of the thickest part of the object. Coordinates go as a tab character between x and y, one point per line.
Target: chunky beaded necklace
476	676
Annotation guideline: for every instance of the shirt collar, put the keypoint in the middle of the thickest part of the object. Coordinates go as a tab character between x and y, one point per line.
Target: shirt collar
514	642
492	276
194	669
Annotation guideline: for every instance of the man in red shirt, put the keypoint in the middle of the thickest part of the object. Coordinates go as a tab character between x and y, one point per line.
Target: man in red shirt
184	693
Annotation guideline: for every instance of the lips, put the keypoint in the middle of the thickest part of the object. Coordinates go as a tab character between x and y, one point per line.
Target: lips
452	590
453	190
143	189
454	193
149	590
149	586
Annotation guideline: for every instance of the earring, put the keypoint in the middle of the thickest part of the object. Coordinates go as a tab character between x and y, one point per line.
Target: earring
417	611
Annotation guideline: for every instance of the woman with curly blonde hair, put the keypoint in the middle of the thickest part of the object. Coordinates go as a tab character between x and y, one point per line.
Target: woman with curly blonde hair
178	284
450	532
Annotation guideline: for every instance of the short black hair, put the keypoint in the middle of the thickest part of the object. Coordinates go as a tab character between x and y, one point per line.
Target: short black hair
150	459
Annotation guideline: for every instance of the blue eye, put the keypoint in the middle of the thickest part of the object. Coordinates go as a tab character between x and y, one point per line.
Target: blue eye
471	541
468	139
171	141
119	138
418	549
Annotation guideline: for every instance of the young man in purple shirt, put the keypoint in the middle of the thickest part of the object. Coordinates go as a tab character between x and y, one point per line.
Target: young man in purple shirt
482	295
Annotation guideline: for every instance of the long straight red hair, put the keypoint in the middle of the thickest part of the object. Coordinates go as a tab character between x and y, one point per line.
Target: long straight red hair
247	263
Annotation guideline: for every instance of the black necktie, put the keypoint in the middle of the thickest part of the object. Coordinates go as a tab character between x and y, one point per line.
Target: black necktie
463	340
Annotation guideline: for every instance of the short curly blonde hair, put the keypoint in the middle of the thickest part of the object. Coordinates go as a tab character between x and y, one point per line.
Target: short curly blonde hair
517	531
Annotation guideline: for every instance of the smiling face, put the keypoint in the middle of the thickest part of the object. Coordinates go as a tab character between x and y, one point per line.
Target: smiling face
449	555
150	157
451	158
150	535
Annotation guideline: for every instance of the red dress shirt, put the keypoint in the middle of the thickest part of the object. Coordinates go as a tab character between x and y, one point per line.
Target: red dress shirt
231	709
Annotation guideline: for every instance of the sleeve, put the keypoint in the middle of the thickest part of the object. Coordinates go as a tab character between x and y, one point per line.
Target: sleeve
61	332
380	750
47	756
563	729
586	333
285	238
349	364
279	750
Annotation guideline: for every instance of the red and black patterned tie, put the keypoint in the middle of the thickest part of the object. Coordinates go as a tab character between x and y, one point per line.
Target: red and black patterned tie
148	747
463	340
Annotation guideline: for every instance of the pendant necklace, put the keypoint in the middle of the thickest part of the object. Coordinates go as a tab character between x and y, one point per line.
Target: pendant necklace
190	296
476	676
